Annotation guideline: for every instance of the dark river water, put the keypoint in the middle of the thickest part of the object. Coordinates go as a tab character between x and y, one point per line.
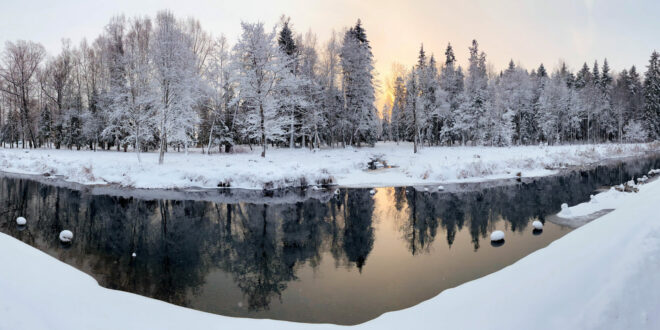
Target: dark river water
307	256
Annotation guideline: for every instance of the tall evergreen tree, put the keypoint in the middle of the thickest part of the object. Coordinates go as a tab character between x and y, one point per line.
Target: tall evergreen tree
651	118
358	87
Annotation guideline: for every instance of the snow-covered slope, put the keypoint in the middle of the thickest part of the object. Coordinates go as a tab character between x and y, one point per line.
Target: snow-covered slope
603	275
285	167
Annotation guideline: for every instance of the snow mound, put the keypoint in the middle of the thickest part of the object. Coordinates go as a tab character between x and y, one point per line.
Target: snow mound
66	236
537	224
497	236
21	221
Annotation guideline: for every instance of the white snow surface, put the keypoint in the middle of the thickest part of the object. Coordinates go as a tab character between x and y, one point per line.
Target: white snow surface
287	167
603	275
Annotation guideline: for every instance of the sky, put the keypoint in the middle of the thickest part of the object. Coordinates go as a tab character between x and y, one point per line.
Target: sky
529	32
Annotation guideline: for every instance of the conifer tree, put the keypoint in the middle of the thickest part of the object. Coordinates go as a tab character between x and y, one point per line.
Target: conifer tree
651	118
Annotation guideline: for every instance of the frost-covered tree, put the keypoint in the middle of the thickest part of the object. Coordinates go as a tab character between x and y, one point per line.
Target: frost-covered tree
634	132
259	67
220	90
554	108
451	81
21	62
515	95
177	82
137	118
331	95
358	87
312	116
290	98
413	108
469	118
397	119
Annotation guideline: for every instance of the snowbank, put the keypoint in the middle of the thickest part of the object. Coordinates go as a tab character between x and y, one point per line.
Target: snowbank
288	168
600	276
598	205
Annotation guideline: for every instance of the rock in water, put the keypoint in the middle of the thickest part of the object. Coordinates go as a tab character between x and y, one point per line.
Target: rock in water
537	224
372	191
66	236
497	236
21	221
134	255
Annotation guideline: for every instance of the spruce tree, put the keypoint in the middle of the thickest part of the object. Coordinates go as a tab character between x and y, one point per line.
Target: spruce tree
358	83
651	118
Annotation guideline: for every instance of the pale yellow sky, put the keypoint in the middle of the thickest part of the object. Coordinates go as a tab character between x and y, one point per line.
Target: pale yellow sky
529	32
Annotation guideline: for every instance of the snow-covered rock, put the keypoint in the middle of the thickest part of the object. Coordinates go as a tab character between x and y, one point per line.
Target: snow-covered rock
134	255
441	188
66	236
565	210
497	236
21	221
372	191
537	224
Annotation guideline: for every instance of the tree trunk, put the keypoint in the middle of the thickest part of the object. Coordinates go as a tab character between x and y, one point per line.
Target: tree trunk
263	130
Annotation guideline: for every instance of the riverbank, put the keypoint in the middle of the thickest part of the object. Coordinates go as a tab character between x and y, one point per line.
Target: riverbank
283	168
601	275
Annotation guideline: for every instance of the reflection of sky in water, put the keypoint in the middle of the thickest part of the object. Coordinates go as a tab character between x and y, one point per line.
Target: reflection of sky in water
343	259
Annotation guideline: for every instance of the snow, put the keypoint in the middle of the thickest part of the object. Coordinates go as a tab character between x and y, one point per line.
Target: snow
611	199
497	235
21	221
66	236
537	224
286	167
600	276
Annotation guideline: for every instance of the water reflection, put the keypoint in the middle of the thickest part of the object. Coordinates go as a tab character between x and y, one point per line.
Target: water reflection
343	258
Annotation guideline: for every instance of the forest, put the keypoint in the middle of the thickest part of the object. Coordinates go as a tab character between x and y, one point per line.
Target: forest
153	85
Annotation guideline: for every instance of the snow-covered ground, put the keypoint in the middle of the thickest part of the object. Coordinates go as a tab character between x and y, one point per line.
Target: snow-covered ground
285	167
603	275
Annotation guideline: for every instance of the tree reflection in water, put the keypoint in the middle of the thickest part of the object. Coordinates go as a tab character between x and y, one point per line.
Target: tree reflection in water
264	244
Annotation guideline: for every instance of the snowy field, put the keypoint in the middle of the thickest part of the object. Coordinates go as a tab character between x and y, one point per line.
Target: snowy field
600	276
287	168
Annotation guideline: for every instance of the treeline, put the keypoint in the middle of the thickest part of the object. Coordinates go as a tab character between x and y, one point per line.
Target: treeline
162	84
515	106
167	83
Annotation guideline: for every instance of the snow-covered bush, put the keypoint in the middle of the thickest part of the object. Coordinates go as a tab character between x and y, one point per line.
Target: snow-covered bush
634	132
